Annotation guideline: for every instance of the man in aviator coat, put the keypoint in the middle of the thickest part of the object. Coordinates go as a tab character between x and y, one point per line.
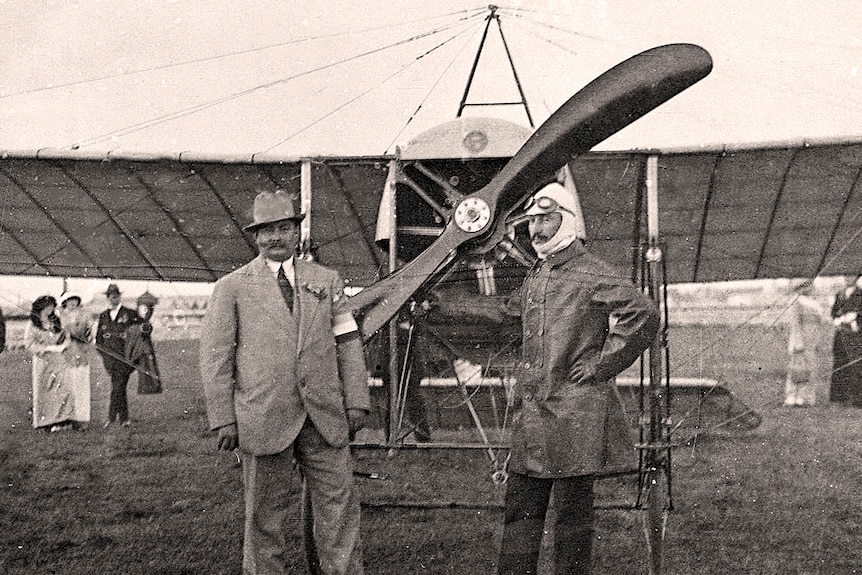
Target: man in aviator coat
287	386
570	426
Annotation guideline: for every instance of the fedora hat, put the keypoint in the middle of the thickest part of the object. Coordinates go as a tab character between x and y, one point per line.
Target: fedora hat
112	289
272	207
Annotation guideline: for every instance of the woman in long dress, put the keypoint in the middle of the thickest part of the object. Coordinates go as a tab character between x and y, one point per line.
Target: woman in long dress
78	327
140	351
807	319
846	386
53	397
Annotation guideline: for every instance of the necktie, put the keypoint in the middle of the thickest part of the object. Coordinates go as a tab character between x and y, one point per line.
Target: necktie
286	289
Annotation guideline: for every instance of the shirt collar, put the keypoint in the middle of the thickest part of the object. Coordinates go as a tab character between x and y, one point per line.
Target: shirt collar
288	267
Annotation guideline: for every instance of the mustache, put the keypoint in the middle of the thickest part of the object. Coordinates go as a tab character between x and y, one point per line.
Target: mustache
277	244
539	238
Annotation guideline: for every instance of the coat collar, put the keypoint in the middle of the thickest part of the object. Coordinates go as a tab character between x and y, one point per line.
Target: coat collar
573	250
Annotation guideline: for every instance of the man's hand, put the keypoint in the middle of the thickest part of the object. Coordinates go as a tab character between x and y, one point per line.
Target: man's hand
228	437
583	372
356	419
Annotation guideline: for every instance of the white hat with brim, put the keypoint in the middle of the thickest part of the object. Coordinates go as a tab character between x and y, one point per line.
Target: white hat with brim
270	207
69	295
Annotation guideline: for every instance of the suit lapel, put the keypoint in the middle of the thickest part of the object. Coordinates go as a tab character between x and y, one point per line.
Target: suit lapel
269	296
309	302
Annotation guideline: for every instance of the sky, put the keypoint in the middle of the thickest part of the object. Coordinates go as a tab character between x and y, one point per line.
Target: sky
348	77
344	77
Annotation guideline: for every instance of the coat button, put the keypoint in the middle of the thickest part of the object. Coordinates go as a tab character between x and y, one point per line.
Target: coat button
527	365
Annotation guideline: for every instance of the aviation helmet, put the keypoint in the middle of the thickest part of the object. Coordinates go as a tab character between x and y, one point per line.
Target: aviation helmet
551	198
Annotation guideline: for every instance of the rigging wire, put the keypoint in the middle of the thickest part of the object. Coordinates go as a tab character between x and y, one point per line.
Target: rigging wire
782	307
628	30
753	79
844	248
227	55
209	104
529	27
427	95
518	16
362	94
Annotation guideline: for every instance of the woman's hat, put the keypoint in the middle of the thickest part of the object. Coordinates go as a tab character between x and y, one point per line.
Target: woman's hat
67	295
147	299
272	207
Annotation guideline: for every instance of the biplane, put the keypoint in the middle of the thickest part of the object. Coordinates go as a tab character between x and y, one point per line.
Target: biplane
782	210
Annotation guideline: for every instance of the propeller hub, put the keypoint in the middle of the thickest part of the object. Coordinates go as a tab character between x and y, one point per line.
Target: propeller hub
472	214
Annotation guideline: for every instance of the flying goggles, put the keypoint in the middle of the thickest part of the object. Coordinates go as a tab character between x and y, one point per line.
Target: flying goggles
544	205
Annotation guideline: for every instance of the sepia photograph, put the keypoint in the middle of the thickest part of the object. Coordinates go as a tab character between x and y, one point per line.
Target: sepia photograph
345	288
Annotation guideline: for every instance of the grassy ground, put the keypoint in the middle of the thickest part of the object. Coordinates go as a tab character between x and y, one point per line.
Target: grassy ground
156	499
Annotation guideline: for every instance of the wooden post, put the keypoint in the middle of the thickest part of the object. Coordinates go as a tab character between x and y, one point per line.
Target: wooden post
305	208
655	462
394	364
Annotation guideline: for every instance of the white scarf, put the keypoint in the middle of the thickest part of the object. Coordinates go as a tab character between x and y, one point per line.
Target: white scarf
566	234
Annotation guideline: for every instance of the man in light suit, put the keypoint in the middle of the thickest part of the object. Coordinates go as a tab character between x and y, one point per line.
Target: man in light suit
285	381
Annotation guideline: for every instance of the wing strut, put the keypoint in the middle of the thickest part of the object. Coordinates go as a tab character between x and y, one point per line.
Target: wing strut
656	473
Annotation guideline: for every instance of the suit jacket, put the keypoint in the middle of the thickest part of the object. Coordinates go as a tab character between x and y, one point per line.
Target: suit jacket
111	336
266	369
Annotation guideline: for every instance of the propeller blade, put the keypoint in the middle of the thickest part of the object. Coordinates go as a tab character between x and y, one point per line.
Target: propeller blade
603	107
376	304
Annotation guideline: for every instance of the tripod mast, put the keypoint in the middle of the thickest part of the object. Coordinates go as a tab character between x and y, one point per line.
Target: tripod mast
494	17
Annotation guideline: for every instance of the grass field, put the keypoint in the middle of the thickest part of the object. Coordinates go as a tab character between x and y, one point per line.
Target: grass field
156	498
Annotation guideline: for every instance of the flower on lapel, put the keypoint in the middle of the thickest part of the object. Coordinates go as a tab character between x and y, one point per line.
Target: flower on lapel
319	291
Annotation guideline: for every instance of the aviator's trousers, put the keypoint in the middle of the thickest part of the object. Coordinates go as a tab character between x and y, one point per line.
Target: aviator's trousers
526	506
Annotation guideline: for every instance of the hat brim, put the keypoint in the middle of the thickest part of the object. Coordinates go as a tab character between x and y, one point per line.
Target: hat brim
251	227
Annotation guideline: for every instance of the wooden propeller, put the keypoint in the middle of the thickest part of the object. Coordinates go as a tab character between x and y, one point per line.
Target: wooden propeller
603	107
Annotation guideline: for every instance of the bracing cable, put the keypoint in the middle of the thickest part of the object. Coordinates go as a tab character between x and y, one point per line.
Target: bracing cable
211	103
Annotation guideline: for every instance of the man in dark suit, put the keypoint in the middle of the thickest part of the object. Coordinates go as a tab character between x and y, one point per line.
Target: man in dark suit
111	345
285	381
2	331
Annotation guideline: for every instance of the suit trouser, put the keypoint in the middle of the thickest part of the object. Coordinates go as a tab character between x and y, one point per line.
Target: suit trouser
526	505
120	372
272	502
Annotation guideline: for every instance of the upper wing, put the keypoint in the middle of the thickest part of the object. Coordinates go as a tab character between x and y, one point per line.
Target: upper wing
791	210
782	210
175	218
